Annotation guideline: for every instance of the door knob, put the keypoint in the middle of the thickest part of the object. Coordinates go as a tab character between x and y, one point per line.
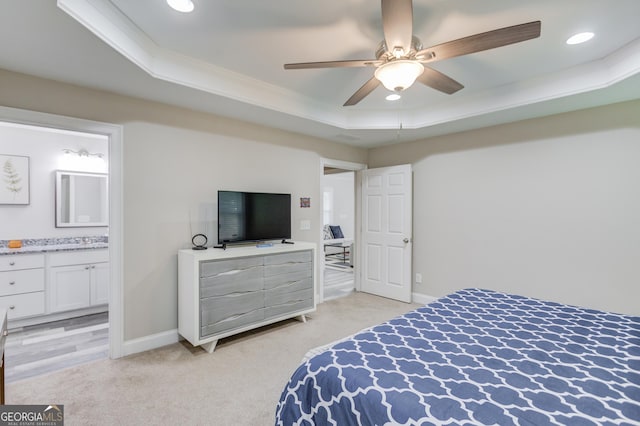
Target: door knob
405	240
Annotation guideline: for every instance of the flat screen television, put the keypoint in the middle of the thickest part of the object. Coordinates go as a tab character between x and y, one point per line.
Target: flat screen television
253	216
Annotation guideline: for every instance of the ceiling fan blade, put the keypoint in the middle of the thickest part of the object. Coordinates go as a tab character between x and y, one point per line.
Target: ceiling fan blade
360	94
397	24
333	64
480	42
437	80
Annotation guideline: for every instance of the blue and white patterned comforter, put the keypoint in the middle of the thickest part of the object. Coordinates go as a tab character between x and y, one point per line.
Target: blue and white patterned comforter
475	357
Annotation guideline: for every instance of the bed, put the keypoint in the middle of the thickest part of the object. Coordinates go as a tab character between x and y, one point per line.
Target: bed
475	357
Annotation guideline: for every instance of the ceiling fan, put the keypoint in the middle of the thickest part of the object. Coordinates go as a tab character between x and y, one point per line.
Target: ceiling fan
400	56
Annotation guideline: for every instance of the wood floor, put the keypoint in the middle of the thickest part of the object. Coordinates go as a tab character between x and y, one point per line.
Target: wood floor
39	349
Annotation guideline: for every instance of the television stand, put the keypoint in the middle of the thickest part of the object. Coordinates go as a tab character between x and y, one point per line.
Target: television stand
223	293
287	242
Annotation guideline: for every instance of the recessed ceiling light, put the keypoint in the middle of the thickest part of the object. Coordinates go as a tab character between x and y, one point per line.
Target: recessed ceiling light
181	5
579	38
393	97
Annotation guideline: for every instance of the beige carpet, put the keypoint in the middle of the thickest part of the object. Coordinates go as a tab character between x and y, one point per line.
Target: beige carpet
239	384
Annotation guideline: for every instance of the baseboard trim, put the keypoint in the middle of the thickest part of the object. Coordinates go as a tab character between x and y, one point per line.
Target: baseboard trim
422	299
152	341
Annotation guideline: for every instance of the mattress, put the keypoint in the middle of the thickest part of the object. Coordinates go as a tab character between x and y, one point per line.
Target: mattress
475	357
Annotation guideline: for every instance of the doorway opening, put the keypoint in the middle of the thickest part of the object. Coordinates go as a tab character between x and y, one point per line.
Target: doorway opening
86	148
338	218
340	229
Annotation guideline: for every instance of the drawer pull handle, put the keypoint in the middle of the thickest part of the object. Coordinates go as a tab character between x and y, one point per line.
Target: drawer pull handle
87	267
12	263
12	282
12	307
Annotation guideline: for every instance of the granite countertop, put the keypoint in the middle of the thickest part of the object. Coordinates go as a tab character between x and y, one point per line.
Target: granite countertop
55	244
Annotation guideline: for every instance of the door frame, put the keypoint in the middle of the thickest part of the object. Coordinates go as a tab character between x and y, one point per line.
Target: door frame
114	133
346	166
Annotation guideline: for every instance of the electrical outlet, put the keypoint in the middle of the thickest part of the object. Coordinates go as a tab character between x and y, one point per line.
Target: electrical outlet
418	278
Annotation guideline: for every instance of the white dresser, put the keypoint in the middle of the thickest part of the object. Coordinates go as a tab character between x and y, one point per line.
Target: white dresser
225	292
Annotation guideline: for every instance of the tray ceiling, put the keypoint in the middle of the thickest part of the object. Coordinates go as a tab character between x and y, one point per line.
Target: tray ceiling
226	57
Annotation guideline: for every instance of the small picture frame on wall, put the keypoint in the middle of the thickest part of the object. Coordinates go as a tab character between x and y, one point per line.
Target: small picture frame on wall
14	181
305	202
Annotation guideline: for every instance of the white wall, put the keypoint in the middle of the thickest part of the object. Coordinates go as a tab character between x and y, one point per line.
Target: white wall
184	173
340	189
547	208
44	148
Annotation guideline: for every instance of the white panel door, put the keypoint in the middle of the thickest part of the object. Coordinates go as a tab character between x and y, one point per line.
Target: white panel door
386	232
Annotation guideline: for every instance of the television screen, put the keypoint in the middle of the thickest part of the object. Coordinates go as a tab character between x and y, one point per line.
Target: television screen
253	216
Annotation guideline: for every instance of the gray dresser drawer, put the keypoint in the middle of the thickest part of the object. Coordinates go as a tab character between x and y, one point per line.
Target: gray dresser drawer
294	257
273	281
217	267
288	292
232	323
227	312
235	281
286	268
285	308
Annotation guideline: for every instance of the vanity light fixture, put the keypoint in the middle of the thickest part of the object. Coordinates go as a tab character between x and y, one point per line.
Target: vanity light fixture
580	38
83	153
184	6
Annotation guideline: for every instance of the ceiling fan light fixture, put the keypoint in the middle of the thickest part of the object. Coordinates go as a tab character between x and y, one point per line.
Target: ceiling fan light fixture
580	38
399	75
184	6
393	97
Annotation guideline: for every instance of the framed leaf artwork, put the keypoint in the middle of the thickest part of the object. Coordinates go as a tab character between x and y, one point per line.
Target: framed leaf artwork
14	179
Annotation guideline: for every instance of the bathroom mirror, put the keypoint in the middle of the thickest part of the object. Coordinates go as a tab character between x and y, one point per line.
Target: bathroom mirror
81	199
